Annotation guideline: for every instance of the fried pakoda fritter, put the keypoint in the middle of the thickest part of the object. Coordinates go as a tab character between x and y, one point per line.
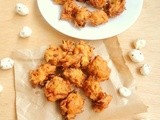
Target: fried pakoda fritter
97	3
61	2
114	7
54	54
57	88
69	10
71	60
98	68
102	102
81	17
72	105
68	45
86	51
93	90
76	76
98	17
39	76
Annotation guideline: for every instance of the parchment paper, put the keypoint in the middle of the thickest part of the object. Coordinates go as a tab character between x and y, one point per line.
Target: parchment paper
31	103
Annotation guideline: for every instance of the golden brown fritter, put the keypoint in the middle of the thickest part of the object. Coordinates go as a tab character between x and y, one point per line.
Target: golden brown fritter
102	102
98	17
70	60
98	68
39	76
54	54
98	3
61	2
57	88
81	17
92	88
72	105
69	10
68	45
75	75
114	7
86	51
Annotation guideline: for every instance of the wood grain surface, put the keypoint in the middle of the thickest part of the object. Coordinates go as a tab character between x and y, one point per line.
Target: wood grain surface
147	26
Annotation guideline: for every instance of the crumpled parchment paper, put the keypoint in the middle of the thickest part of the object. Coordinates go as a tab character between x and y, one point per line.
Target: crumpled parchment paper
31	103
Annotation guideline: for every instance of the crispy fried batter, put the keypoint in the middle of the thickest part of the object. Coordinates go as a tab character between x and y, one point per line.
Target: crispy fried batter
98	17
92	88
39	76
61	2
53	55
114	7
81	17
72	105
102	102
76	76
86	51
98	3
71	60
69	10
68	45
57	88
98	68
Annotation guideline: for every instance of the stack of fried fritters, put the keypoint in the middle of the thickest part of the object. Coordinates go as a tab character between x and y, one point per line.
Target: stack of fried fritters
68	67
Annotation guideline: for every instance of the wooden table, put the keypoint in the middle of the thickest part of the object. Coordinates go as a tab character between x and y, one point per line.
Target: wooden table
147	27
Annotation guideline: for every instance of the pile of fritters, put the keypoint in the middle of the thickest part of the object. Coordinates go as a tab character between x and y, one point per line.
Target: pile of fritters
79	15
68	67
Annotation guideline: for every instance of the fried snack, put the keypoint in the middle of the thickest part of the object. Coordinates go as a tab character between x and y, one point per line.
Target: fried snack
86	51
76	76
98	17
98	3
71	60
54	54
98	68
57	88
68	45
92	88
72	105
39	76
114	7
70	8
81	17
61	2
102	102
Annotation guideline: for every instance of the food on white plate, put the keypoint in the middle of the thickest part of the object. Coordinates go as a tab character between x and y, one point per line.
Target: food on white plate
136	55
1	88
124	92
6	63
80	15
22	9
145	69
25	32
139	44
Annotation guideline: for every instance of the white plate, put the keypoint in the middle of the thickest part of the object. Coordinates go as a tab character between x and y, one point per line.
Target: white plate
51	12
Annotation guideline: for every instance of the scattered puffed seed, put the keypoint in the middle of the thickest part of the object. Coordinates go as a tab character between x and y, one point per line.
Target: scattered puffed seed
139	44
22	9
25	32
6	63
136	55
145	69
125	92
